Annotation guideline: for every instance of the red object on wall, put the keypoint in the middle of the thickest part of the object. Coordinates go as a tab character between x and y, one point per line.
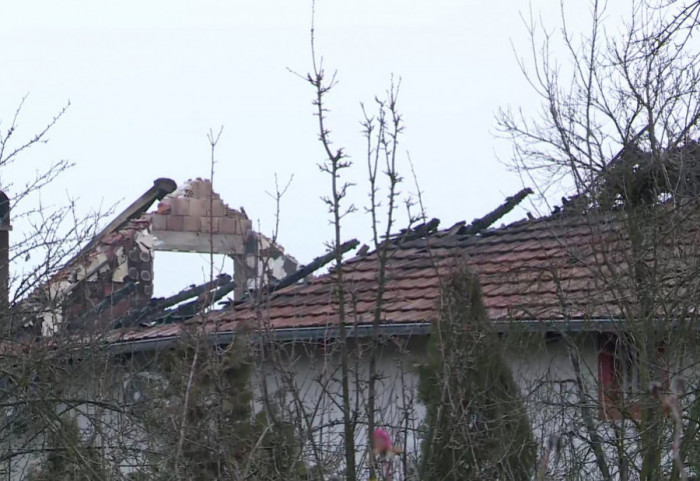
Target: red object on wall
608	378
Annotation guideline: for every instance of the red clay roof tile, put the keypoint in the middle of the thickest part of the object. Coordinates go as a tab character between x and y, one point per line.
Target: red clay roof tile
546	269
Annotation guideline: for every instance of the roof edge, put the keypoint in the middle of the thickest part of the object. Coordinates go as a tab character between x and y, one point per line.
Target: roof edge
317	333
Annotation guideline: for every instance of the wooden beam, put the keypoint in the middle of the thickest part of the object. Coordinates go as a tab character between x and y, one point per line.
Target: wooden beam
161	188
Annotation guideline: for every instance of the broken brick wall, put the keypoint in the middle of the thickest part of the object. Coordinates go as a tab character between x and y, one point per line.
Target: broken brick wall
90	289
194	208
114	278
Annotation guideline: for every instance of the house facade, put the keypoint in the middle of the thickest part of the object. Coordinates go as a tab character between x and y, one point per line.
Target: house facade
562	292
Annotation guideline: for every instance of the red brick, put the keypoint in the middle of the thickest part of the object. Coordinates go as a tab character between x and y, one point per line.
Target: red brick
191	223
196	186
218	208
159	222
206	222
229	225
180	205
164	207
199	207
176	223
204	187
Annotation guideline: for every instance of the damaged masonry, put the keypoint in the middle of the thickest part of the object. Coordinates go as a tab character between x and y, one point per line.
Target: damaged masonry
109	283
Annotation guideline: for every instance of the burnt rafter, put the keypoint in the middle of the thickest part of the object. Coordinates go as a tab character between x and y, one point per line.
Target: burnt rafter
641	176
106	303
416	232
315	265
156	307
637	176
161	188
430	228
309	269
192	308
483	223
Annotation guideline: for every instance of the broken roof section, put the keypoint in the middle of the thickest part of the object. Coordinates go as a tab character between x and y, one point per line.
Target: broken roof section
195	219
110	281
118	258
525	268
514	263
554	273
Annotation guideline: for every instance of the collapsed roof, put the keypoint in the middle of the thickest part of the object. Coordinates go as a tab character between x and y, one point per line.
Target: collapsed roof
557	269
559	272
521	267
109	283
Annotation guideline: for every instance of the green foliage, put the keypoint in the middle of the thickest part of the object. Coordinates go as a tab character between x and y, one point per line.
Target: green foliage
278	451
476	426
70	457
202	418
690	449
221	437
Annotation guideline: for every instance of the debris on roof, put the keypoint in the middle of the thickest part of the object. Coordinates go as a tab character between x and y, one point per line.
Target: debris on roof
523	267
637	176
161	310
121	257
545	269
110	281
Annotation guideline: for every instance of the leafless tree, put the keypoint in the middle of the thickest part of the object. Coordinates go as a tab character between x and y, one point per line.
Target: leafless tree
618	134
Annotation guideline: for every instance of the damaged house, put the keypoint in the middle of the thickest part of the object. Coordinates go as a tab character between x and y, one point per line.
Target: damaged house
110	281
570	294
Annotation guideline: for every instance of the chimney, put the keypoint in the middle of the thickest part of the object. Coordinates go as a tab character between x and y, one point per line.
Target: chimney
5	229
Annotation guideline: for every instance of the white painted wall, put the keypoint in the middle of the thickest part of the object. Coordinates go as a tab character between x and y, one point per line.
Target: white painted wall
542	369
307	378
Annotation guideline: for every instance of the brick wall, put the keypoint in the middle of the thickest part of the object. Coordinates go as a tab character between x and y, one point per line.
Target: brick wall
195	208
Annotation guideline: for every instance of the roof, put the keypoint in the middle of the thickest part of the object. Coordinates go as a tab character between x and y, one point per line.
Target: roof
572	267
110	280
541	269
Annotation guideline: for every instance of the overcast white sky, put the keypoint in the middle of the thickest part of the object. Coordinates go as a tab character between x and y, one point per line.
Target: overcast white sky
148	79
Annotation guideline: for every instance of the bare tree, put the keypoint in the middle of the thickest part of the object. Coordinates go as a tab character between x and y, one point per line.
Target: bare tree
618	133
35	397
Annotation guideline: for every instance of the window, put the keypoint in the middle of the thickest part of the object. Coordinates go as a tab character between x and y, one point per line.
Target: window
618	378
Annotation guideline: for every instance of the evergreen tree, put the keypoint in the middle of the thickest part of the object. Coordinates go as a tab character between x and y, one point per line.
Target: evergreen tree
70	457
202	419
476	426
278	457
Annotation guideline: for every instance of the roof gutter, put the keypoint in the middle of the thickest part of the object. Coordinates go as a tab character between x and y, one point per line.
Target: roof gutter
286	334
307	334
559	325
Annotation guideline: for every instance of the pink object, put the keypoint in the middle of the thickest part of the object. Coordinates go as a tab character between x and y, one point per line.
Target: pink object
382	441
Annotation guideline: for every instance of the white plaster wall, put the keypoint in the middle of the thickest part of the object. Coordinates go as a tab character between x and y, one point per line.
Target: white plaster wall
307	377
541	367
311	381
